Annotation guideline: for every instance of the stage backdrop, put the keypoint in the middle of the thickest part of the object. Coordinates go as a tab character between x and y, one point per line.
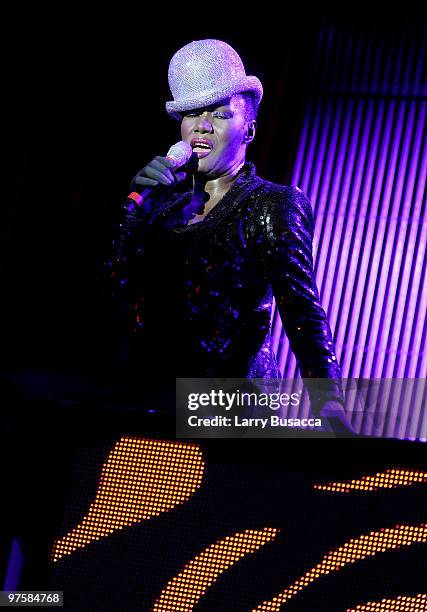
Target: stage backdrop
362	161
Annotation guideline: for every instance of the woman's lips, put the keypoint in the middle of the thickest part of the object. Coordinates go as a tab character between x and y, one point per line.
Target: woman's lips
201	153
201	146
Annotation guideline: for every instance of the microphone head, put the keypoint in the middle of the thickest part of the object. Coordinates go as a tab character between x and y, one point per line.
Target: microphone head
180	153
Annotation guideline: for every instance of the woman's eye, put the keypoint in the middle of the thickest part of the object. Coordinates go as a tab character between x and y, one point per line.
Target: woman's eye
218	114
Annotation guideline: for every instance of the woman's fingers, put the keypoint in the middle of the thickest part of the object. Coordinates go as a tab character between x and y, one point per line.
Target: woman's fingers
158	171
152	172
144	181
161	166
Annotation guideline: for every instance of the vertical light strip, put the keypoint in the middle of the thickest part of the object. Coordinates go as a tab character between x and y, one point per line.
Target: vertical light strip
362	161
418	302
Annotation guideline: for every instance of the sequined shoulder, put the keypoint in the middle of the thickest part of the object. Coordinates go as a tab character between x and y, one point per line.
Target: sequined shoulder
288	201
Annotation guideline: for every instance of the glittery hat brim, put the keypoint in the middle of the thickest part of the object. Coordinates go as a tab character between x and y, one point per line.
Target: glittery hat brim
250	84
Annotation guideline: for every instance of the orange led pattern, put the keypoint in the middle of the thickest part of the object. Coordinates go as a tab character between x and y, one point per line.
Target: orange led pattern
354	550
141	478
183	592
418	603
389	479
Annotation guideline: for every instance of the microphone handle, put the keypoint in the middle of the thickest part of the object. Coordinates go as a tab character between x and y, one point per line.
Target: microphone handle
135	200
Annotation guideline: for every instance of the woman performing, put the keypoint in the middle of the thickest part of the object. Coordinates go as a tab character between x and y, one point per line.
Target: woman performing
197	264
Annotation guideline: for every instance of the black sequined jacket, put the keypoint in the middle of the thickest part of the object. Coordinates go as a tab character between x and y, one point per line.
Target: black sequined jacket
198	297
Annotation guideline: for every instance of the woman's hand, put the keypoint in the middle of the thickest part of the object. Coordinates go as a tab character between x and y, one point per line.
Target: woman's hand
333	415
158	171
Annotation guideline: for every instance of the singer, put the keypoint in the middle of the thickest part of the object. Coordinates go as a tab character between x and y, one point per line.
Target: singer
196	264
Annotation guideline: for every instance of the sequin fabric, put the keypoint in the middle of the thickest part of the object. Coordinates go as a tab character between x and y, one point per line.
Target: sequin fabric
205	72
199	296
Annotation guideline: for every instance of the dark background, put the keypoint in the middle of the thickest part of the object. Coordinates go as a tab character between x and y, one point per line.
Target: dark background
87	112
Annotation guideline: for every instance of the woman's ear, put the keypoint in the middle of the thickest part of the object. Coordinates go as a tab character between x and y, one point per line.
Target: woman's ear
250	131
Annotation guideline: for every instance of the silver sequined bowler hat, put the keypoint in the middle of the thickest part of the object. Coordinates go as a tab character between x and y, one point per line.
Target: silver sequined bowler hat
205	72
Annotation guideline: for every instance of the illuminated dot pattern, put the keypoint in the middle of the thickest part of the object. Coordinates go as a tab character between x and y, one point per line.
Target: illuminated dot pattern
354	550
389	479
183	592
418	603
141	478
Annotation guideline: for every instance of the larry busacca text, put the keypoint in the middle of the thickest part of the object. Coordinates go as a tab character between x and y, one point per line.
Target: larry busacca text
236	421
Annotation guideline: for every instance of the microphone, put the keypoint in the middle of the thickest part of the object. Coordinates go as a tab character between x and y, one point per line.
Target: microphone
179	154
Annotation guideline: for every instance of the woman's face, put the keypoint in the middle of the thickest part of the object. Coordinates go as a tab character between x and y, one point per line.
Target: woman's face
216	134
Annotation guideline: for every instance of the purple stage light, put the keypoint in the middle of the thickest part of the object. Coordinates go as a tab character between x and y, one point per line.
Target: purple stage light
362	161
